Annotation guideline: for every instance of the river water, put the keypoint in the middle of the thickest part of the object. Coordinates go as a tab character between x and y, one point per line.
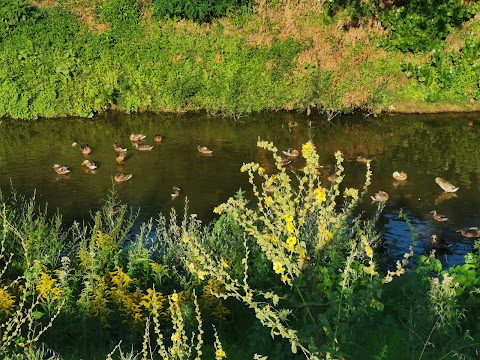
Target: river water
424	146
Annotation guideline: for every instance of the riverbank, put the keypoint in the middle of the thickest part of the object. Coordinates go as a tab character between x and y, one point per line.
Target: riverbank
79	58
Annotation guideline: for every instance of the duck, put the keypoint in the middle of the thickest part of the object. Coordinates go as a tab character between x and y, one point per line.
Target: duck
445	185
380	196
158	138
400	176
472	232
362	159
119	149
269	189
60	169
175	192
122	178
116	209
438	217
142	147
285	161
120	159
439	244
332	178
137	137
89	164
291	152
85	149
204	150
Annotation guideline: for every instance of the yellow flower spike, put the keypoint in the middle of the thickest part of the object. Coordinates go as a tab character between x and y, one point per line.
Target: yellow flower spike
320	194
351	192
369	251
308	150
268	200
290	227
201	274
278	267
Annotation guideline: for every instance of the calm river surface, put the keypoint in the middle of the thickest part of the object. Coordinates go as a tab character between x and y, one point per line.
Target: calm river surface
424	146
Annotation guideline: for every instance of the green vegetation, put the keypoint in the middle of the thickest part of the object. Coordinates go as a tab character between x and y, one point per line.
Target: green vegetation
291	275
81	57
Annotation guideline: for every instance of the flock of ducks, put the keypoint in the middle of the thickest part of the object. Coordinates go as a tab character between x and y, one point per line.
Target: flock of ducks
136	140
381	196
449	189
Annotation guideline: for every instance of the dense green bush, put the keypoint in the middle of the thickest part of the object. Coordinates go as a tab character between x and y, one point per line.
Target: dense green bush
14	12
198	10
412	26
448	75
420	25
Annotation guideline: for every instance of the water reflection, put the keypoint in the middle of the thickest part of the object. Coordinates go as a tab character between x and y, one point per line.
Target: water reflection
425	147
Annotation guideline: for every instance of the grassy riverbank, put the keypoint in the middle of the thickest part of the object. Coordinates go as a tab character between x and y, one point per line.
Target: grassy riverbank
87	56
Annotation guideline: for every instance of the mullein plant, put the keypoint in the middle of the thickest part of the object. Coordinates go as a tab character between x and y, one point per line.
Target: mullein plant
322	256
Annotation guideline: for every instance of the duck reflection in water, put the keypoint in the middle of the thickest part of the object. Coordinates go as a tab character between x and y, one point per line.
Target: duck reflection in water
444	197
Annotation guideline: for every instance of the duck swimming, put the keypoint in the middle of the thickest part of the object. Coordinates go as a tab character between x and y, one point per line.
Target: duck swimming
291	152
204	150
142	147
119	149
90	164
60	169
380	196
400	176
445	185
175	192
439	244
122	178
472	232
137	137
120	159
438	217
85	149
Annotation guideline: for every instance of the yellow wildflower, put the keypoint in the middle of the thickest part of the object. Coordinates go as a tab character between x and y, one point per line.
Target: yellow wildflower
220	353
174	297
278	267
291	241
308	149
201	274
290	227
176	337
288	218
320	194
191	267
369	251
224	263
185	238
268	200
284	278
